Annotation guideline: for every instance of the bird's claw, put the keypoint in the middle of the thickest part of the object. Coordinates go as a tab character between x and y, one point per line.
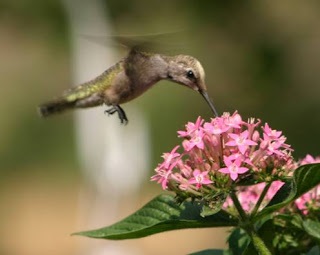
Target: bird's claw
121	113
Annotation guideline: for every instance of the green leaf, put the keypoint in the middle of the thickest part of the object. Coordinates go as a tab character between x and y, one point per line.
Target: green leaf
312	228
159	215
267	232
305	178
285	220
210	252
238	241
213	204
314	251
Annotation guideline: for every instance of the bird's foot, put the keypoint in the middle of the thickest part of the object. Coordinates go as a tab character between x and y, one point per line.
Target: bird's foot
122	115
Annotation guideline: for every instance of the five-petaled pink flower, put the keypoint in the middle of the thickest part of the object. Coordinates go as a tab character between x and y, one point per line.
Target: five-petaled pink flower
195	141
162	177
269	133
191	128
233	121
199	178
233	167
241	141
216	127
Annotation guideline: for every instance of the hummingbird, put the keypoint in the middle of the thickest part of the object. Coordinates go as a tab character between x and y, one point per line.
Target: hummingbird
129	78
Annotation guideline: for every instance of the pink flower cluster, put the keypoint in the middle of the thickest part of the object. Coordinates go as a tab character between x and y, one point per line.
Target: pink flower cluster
222	152
218	155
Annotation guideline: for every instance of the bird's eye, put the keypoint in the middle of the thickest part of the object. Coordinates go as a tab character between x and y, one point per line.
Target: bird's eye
190	74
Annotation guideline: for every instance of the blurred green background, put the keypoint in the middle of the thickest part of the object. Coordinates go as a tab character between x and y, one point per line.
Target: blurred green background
261	58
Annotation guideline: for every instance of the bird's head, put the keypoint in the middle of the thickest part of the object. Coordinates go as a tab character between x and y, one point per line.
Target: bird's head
188	71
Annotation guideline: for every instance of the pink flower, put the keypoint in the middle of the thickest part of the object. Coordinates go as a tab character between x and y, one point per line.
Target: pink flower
169	157
241	141
162	177
195	141
233	121
216	126
252	125
199	178
274	147
270	133
301	202
309	160
191	128
233	167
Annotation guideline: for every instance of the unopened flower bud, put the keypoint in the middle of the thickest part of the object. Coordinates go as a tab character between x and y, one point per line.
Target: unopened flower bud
255	136
264	145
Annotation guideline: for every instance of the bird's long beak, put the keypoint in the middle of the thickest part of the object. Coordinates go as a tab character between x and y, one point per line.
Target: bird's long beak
209	101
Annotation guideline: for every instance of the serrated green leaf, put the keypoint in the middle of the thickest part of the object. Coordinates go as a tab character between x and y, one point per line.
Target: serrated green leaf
312	228
159	215
305	178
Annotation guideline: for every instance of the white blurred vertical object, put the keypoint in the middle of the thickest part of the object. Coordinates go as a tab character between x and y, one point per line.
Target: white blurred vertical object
114	157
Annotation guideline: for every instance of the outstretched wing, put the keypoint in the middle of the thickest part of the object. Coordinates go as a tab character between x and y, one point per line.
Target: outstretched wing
147	42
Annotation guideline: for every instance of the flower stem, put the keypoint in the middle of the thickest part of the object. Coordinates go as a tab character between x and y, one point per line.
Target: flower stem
194	192
263	194
238	206
258	243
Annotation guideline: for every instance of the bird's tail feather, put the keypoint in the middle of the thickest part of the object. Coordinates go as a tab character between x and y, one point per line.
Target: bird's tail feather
55	106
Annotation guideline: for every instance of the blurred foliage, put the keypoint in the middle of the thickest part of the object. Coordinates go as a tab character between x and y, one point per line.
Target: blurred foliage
261	58
35	14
